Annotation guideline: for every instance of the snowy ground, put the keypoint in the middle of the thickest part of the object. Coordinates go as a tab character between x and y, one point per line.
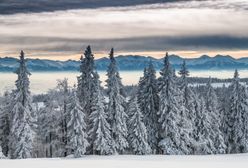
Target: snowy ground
218	161
216	85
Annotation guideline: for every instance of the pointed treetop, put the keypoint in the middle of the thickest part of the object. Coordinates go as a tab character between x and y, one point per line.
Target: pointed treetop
111	54
22	62
236	74
183	71
166	60
167	69
22	55
88	52
88	48
145	72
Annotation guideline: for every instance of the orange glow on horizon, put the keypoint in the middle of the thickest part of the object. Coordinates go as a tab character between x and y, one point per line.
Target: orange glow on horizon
155	54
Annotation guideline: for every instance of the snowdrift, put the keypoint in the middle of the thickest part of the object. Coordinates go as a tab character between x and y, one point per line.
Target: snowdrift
133	161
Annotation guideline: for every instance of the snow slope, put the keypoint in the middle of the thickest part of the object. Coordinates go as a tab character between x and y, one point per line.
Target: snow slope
125	161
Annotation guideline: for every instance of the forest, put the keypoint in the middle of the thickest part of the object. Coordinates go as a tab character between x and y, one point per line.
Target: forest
161	115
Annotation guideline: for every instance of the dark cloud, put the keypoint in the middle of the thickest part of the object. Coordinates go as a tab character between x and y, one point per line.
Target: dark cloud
67	45
25	6
212	4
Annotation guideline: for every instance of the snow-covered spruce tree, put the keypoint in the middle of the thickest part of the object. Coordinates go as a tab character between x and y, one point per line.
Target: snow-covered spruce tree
86	84
236	119
21	121
86	78
5	122
77	137
137	130
202	130
188	94
100	130
174	127
189	101
212	108
148	102
116	111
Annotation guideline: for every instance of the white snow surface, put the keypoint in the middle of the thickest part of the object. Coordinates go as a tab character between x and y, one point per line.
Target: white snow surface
133	161
216	85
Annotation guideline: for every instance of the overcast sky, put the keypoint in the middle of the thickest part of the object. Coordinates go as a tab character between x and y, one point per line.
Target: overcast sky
62	30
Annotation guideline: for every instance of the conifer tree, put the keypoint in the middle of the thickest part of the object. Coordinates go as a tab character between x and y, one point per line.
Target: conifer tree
100	129
86	85
77	137
116	110
21	139
215	118
174	127
86	80
189	101
138	132
148	102
236	119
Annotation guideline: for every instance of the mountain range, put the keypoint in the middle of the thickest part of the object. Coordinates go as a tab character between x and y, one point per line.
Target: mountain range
130	62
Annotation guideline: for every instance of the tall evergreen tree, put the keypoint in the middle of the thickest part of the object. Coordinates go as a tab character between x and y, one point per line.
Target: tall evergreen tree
236	119
148	102
86	84
189	101
116	110
77	137
174	127
21	139
86	80
100	129
215	118
138	132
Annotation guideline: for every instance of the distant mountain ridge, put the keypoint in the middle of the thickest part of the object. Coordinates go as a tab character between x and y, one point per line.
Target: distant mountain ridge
130	62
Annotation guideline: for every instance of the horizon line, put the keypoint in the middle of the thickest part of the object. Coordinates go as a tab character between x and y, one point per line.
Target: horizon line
64	56
119	55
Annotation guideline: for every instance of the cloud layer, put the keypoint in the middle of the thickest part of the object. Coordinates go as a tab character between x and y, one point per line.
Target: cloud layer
186	25
27	6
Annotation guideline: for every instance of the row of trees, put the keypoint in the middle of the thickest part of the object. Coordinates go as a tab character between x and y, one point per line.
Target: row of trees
164	115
